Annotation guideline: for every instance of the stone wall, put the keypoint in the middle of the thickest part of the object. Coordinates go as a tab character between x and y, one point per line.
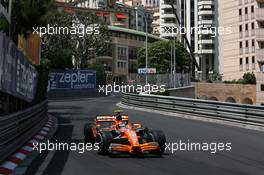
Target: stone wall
236	93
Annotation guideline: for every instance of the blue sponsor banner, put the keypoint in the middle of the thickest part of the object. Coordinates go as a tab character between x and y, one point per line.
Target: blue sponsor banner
72	79
18	77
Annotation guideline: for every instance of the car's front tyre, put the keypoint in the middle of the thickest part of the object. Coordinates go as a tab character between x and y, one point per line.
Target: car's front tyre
88	133
104	139
159	137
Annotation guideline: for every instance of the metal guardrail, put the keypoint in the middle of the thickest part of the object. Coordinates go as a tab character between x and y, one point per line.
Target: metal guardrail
239	113
17	128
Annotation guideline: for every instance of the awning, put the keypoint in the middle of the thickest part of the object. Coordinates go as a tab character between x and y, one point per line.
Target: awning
105	14
121	16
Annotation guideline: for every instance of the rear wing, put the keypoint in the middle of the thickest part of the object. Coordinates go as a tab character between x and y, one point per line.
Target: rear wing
109	118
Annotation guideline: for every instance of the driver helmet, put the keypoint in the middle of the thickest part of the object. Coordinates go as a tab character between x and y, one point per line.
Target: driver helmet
119	117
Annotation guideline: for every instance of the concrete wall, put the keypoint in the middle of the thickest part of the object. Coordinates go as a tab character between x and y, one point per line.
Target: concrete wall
185	92
237	93
73	94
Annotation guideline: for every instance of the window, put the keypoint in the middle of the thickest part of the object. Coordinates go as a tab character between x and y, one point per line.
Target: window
241	61
241	44
253	25
246	60
246	10
240	28
253	43
253	60
246	43
261	45
246	27
240	12
252	9
262	87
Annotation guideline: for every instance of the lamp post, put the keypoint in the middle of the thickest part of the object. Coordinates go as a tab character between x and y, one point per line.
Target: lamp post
174	61
10	16
146	22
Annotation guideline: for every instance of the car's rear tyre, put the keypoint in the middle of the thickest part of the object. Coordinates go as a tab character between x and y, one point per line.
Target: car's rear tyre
159	137
88	133
104	139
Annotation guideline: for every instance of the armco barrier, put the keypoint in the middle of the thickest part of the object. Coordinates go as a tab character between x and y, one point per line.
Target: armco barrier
239	113
17	128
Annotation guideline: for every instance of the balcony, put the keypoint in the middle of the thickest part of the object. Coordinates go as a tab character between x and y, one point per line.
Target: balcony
260	1
206	51
167	15
260	34
205	22
260	14
167	6
206	41
260	55
205	12
204	3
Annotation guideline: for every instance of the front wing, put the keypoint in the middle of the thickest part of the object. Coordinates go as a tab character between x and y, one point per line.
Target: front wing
141	148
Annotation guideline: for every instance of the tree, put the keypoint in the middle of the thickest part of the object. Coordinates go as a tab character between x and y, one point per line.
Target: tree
58	48
100	73
89	45
27	14
42	84
159	57
4	25
81	36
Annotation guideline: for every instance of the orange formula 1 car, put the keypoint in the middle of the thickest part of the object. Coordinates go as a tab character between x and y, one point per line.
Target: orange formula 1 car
115	134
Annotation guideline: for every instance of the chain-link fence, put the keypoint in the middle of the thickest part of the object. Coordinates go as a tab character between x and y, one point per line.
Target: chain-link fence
169	80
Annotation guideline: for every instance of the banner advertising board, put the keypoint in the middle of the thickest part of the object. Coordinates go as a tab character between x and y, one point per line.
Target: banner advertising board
72	79
17	76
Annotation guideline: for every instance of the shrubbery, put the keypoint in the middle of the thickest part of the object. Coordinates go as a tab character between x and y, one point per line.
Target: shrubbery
248	78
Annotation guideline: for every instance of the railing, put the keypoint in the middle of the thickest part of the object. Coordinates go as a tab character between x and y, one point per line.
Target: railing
16	129
238	113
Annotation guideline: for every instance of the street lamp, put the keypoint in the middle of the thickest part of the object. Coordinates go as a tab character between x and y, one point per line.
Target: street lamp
173	62
10	16
146	22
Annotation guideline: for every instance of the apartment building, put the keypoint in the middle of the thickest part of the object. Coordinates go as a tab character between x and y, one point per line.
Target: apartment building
244	48
169	26
208	45
151	3
194	15
156	23
167	19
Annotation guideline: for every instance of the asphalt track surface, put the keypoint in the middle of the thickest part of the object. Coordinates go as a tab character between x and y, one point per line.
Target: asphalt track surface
245	158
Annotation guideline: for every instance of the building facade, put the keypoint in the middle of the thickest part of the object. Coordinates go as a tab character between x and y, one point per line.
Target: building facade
156	23
151	3
208	45
244	49
121	58
168	22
